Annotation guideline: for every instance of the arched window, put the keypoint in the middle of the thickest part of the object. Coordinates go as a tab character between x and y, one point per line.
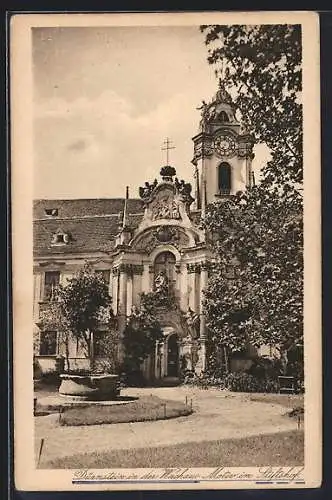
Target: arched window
164	266
224	178
223	116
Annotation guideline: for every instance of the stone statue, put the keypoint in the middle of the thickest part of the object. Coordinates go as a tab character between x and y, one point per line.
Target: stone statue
160	282
192	320
147	189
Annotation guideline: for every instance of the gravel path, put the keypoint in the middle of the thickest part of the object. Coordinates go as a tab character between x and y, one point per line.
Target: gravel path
217	415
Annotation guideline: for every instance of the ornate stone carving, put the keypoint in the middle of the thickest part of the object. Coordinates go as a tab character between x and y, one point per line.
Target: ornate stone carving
205	266
193	268
146	190
203	148
137	269
165	208
184	190
191	323
161	283
163	234
245	149
125	268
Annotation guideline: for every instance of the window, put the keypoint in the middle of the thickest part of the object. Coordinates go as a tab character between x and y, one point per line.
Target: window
224	178
223	116
52	279
60	238
51	212
104	274
48	343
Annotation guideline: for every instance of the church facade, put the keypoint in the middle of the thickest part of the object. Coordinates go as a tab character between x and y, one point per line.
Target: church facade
150	244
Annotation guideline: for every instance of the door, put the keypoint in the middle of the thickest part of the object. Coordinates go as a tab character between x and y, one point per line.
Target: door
172	356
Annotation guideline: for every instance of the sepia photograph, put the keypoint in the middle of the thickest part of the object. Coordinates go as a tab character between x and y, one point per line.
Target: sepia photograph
166	175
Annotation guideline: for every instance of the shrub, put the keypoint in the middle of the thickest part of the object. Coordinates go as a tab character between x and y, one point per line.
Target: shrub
246	382
50	378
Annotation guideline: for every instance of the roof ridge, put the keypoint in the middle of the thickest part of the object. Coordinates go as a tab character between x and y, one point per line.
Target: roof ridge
82	199
75	217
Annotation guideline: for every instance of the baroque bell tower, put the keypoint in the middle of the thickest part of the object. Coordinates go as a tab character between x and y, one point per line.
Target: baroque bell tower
222	151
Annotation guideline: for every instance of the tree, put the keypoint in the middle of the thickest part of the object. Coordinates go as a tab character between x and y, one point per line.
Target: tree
258	234
141	333
53	319
255	292
262	66
81	306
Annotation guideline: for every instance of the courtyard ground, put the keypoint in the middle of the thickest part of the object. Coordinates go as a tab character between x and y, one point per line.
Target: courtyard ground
218	416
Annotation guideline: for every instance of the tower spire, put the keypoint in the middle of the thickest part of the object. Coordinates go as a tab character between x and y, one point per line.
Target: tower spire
125	208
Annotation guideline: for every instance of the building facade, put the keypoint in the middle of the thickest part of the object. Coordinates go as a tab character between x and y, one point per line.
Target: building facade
150	244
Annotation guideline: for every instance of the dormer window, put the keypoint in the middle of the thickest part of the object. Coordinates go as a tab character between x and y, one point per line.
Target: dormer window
60	238
51	212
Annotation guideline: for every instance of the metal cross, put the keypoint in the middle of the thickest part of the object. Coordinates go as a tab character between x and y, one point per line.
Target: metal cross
167	143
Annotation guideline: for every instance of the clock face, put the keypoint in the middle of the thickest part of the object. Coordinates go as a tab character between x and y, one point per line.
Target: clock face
224	145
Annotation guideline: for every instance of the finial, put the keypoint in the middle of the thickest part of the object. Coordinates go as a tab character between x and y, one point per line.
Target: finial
167	173
125	208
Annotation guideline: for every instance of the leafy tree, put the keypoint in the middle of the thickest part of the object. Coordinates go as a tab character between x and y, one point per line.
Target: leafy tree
79	307
141	333
82	301
53	319
262	65
255	291
258	234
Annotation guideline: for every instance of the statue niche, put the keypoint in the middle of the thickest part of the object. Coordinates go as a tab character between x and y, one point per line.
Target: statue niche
164	274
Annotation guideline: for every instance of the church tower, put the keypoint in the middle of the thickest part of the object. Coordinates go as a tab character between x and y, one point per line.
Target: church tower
222	151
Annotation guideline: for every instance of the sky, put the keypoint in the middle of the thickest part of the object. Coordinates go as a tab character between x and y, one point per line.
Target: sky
106	98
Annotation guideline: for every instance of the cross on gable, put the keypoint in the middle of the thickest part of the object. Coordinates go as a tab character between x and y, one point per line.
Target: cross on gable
167	146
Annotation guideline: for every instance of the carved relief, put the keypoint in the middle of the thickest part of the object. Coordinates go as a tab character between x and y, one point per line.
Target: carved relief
163	234
165	208
203	148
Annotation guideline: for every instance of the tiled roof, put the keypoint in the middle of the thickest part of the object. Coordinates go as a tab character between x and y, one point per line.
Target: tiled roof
85	207
92	224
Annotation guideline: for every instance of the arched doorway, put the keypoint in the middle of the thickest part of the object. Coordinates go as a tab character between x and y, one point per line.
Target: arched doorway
172	356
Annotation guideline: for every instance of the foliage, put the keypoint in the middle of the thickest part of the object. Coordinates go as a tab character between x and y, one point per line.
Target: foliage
76	311
245	382
53	319
81	302
259	233
260	241
141	333
108	343
262	64
235	382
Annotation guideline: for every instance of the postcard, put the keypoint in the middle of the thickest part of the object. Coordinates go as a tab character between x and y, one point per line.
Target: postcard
165	176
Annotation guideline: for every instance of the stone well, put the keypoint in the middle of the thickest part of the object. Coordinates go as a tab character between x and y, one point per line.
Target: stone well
89	387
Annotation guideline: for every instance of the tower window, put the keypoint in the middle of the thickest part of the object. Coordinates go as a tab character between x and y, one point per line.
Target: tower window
223	116
224	178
